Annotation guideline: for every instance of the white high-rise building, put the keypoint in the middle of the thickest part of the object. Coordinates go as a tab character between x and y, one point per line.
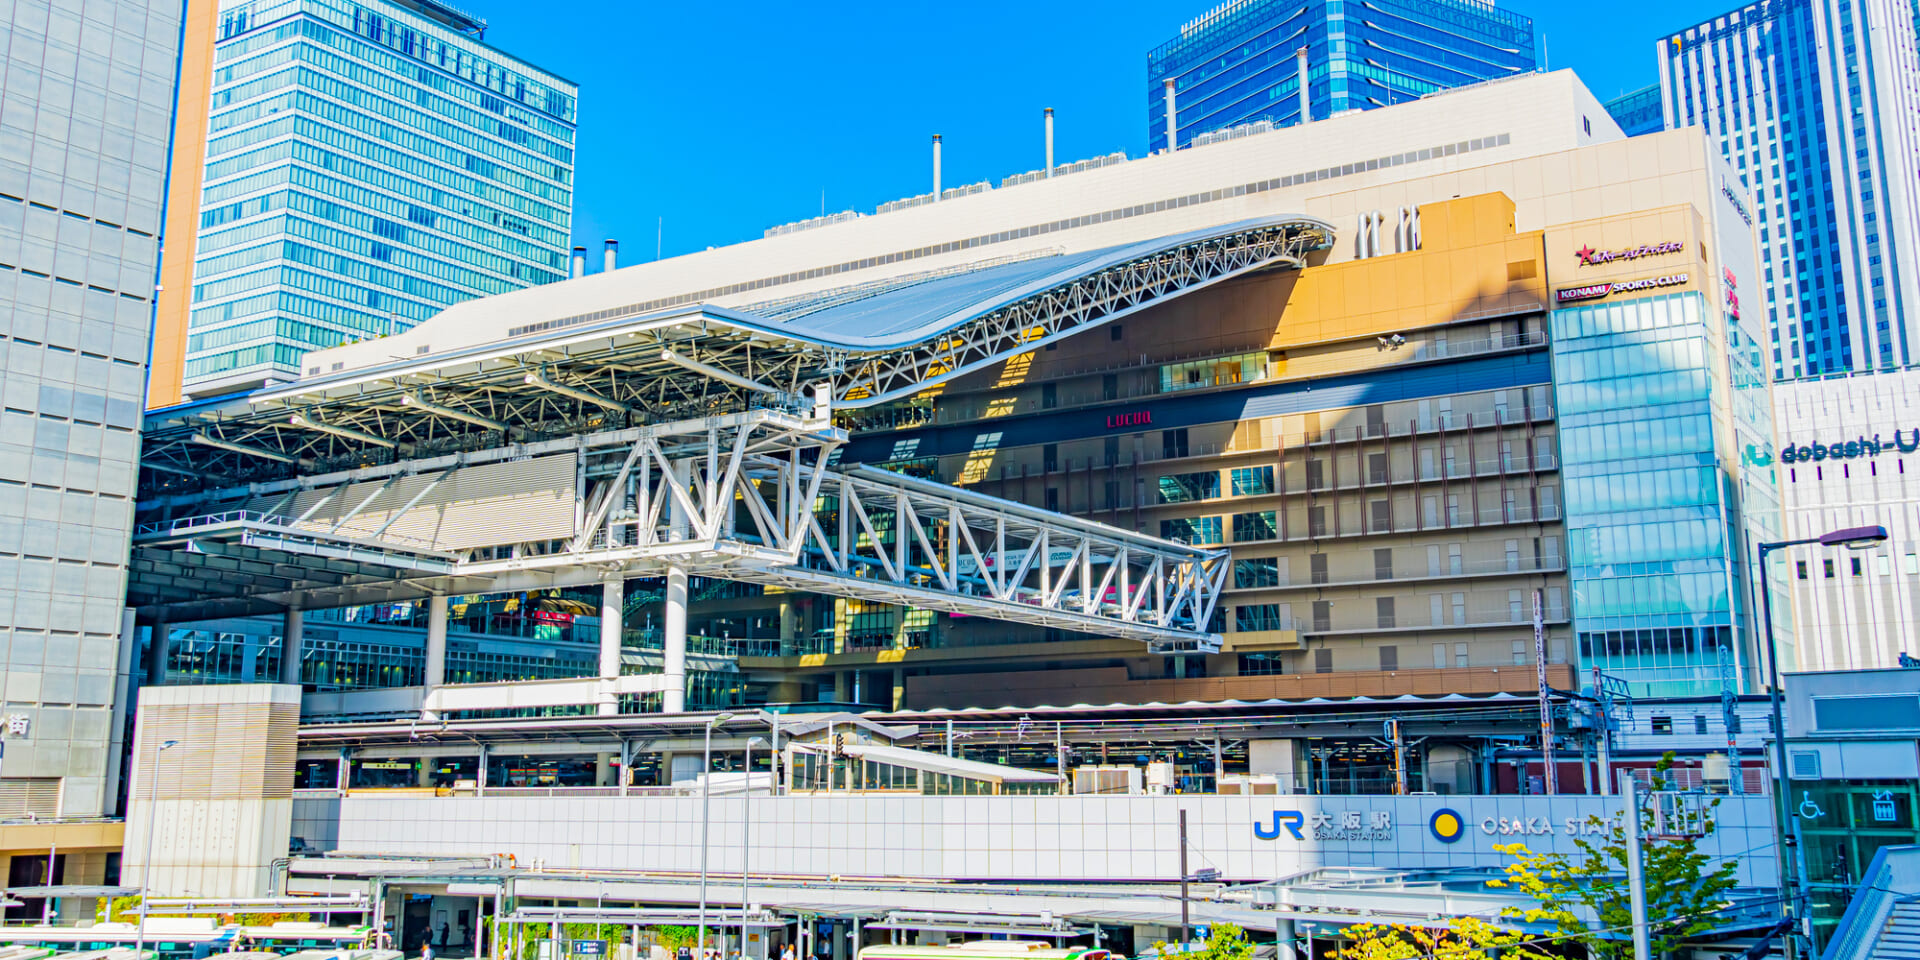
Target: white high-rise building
1817	104
1850	457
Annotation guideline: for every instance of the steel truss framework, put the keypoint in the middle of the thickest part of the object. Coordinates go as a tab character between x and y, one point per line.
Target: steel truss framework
1070	307
745	497
614	374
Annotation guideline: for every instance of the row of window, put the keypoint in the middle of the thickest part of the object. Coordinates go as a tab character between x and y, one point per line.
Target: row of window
1443	610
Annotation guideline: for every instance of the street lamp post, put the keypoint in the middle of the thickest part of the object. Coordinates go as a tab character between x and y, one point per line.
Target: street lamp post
1793	885
746	840
146	866
706	808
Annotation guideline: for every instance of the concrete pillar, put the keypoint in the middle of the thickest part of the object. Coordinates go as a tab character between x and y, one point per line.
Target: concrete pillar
1283	935
426	771
675	626
789	619
842	687
292	642
612	599
899	688
436	673
603	770
157	653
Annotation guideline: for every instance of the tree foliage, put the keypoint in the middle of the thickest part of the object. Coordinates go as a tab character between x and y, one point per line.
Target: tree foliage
1225	941
1464	938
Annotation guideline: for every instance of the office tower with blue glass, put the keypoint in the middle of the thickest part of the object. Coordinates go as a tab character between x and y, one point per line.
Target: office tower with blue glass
1638	111
367	164
1816	103
1245	61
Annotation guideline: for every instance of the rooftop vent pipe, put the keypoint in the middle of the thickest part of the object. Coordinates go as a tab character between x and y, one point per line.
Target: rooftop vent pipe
1300	64
1172	121
579	261
1049	141
613	250
936	168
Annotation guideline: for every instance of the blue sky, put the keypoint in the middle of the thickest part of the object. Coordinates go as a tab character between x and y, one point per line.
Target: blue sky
726	119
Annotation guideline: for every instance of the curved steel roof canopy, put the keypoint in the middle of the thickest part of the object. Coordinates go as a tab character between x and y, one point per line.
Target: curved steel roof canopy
872	343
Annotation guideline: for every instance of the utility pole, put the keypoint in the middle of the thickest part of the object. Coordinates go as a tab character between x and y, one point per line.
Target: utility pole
1730	717
1186	935
1636	868
1552	778
1399	757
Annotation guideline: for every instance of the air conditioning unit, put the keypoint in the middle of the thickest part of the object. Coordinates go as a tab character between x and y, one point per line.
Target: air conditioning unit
1107	780
1245	785
1160	777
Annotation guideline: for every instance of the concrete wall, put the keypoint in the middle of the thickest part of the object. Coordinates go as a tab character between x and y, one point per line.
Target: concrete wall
987	838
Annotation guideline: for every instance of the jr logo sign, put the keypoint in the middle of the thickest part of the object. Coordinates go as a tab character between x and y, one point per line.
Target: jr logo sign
1291	820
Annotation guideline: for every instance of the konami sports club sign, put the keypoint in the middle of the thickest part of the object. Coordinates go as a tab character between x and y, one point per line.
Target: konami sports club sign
1595	291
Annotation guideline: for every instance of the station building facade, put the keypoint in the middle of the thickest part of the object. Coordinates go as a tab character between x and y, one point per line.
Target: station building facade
1428	450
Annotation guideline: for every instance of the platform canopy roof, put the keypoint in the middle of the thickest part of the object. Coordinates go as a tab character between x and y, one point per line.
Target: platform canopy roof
556	376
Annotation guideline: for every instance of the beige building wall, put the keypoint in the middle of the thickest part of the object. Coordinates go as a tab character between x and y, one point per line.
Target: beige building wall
217	806
182	226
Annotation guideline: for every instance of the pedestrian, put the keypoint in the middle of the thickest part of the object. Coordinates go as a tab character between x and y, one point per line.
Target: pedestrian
686	953
786	952
426	951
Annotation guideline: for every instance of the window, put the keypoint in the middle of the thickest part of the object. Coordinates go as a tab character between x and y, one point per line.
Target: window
1518	649
1173	443
1114	332
1049	395
1260	665
1700	724
1316	474
1800	568
1053	499
1255	617
1376	468
1383	564
1050	458
1383	612
1256	573
1316	521
1190	487
1322	615
1439	656
1317	567
1380	515
1323	660
1110	450
1250	481
1460	658
1459	609
1662	726
1826	567
1250	527
1854	565
1192	530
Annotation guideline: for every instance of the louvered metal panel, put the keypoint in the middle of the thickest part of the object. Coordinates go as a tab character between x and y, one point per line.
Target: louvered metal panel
226	750
38	796
478	506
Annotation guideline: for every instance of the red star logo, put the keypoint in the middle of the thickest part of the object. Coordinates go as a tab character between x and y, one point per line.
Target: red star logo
1585	254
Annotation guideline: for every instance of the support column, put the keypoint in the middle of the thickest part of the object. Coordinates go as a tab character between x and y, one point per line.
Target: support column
436	673
292	643
675	627
157	653
899	688
789	620
842	687
613	595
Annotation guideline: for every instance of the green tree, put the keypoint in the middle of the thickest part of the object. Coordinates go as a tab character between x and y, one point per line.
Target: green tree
1225	941
1684	887
673	938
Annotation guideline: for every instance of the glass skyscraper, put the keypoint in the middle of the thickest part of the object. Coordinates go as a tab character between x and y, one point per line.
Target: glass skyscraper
1638	111
1816	103
367	165
84	124
1240	62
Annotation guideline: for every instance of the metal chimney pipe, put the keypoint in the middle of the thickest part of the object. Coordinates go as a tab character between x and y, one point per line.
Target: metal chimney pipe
1300	61
936	168
579	261
613	249
1173	123
1049	141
